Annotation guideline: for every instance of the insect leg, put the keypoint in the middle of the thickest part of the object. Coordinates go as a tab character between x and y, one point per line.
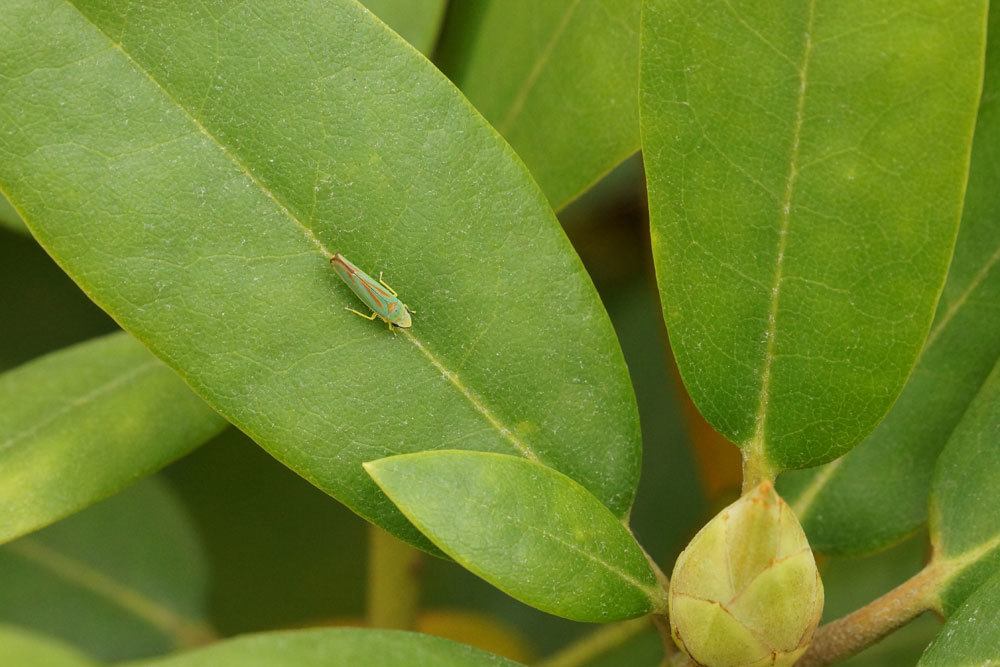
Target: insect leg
362	315
385	285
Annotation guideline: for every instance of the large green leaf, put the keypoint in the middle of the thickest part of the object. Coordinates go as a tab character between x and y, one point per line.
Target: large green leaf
416	21
965	495
527	529
80	424
877	493
342	647
216	164
558	79
972	634
806	165
23	648
124	579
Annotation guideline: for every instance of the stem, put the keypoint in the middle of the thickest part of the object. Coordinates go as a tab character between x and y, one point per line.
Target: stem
846	636
597	643
393	581
661	576
662	625
756	469
659	616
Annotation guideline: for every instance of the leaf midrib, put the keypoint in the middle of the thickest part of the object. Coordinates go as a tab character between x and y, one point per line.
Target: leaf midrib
757	442
653	594
521	96
470	396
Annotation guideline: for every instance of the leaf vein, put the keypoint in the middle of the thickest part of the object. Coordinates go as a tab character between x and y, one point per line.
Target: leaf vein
517	106
757	441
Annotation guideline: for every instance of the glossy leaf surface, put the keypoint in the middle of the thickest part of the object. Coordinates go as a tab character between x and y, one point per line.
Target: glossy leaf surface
965	495
126	578
529	530
806	167
877	493
346	647
217	165
558	79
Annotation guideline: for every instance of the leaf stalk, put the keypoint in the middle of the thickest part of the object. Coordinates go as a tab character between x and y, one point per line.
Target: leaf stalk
393	581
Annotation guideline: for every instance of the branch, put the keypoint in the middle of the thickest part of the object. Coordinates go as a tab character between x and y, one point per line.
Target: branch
846	636
393	581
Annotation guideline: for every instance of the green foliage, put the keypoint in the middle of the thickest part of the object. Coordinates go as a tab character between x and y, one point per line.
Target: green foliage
193	167
333	648
972	634
558	79
965	494
877	493
562	551
213	242
806	168
127	578
82	423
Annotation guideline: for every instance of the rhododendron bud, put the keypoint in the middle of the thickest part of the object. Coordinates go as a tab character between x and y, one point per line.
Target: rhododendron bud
746	592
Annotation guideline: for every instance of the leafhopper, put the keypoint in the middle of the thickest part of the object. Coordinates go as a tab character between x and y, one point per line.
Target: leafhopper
378	296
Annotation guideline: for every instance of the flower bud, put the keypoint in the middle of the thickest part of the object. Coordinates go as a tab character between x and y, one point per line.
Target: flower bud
746	592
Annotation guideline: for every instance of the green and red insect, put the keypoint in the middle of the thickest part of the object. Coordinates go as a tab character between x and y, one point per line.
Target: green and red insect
378	296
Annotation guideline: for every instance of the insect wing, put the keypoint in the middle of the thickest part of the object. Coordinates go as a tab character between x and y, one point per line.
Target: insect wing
364	286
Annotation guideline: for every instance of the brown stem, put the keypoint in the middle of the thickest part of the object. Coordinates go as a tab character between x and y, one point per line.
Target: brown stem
846	636
393	581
